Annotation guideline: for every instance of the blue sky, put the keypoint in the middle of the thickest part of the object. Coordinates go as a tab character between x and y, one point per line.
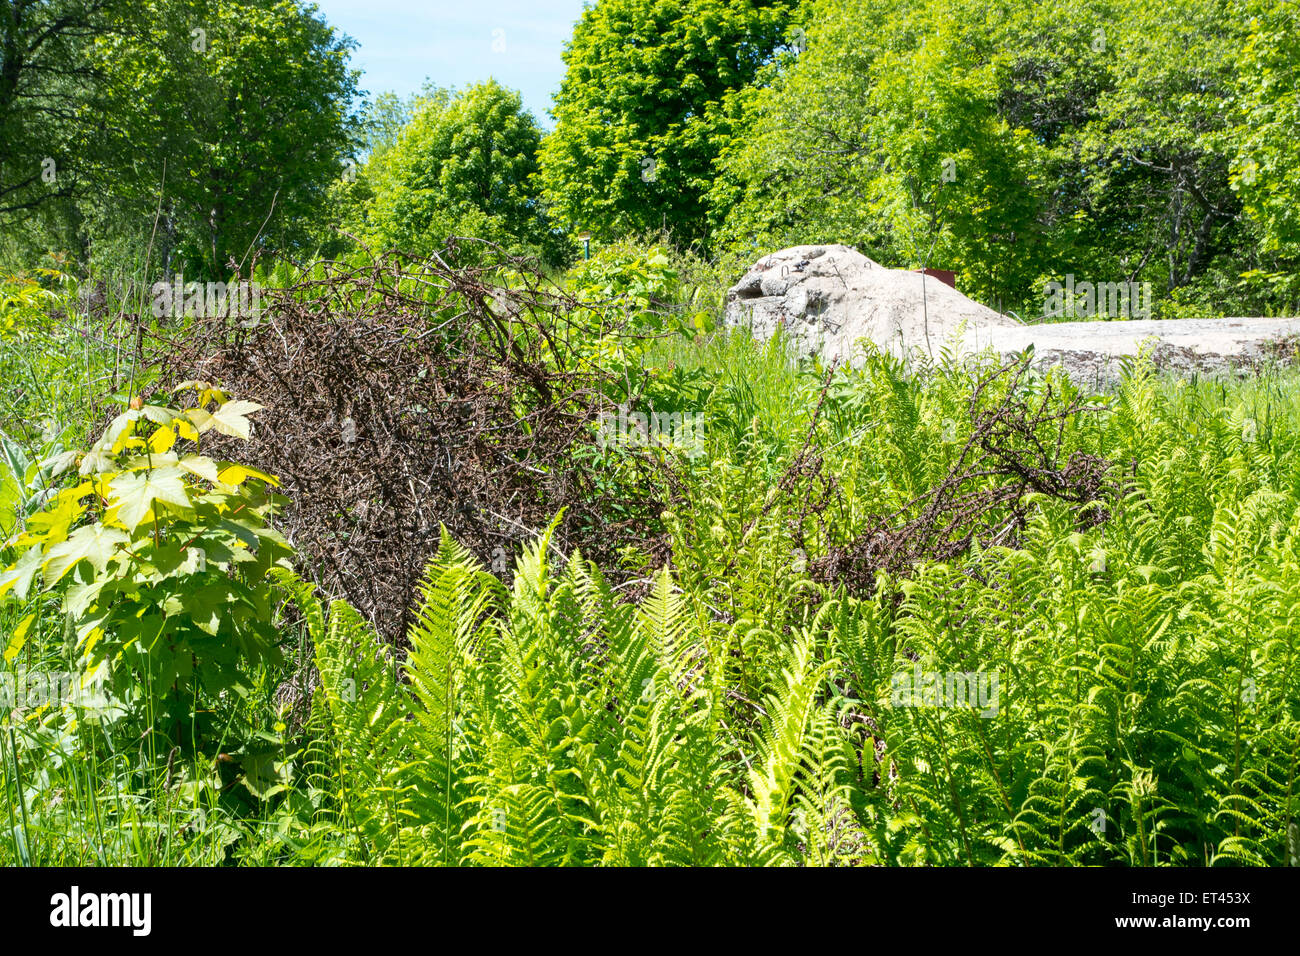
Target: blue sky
400	42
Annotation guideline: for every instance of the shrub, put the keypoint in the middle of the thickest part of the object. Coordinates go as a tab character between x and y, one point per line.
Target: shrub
25	302
159	554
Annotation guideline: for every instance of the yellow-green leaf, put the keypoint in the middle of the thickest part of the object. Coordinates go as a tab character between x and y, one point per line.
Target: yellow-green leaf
202	466
94	543
96	462
19	637
134	494
159	414
162	440
230	419
237	474
19	577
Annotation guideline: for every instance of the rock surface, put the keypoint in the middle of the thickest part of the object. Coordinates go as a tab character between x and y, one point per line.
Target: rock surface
830	298
1092	351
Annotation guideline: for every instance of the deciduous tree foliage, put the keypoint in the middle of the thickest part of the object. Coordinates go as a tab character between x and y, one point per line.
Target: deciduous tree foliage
47	97
53	119
213	129
1018	143
1268	152
464	165
638	113
231	121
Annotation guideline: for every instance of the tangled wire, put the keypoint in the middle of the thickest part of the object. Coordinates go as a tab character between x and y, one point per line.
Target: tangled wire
986	495
410	395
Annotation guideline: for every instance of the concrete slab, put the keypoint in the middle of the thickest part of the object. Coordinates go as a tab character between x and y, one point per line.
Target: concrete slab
1091	351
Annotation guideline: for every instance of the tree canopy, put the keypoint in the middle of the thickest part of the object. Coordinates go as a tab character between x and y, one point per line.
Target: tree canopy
1016	143
1019	142
213	128
464	165
639	113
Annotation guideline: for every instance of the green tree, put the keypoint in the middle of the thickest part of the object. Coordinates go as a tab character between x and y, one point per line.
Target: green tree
380	122
231	121
886	134
1157	179
639	118
464	165
1086	137
1266	154
48	115
52	118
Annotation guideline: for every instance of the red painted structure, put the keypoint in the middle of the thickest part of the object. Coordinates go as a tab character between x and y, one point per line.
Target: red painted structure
946	276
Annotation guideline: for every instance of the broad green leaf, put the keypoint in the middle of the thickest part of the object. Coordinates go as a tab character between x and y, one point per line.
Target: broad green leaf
199	465
230	419
94	543
89	628
119	433
202	466
160	414
80	597
207	605
242	530
134	495
19	577
264	776
96	462
12	457
58	464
